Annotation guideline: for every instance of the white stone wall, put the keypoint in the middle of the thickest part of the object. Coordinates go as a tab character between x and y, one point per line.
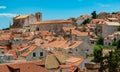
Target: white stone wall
81	50
108	42
30	20
49	27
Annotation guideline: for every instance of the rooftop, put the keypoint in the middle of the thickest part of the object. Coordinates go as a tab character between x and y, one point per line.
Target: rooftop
22	16
113	23
53	22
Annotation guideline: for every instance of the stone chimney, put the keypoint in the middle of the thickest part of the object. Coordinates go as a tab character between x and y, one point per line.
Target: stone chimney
92	67
38	16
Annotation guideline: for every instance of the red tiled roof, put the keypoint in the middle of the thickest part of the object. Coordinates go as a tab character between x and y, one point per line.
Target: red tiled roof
24	67
53	22
78	33
4	68
33	47
14	52
16	35
63	44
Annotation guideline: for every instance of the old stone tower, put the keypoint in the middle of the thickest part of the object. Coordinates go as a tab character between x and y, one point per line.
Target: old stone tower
38	16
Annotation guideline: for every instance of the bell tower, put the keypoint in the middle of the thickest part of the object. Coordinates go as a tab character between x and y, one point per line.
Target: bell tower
38	16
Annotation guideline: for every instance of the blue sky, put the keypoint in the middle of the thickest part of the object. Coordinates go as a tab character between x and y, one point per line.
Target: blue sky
53	9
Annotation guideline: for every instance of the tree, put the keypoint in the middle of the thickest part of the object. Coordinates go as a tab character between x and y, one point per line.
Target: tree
100	40
114	12
115	42
5	29
112	64
86	21
118	44
94	15
97	54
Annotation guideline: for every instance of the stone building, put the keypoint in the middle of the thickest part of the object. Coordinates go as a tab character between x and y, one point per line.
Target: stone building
32	53
50	25
22	21
109	28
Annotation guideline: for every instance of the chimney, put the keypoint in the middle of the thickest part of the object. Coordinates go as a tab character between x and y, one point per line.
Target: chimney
92	67
71	34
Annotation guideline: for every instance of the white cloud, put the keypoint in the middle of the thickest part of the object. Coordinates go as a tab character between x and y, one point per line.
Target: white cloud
103	5
7	15
3	7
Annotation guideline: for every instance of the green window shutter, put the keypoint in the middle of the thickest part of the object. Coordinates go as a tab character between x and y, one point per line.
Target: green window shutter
41	54
34	54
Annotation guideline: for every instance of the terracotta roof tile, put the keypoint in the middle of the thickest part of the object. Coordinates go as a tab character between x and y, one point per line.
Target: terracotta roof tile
14	52
4	68
22	17
78	33
64	44
33	47
24	67
16	35
53	22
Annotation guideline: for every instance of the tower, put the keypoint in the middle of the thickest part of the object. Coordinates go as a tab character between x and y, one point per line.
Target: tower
38	16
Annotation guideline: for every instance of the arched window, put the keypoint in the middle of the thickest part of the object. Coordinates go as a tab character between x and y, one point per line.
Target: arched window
37	29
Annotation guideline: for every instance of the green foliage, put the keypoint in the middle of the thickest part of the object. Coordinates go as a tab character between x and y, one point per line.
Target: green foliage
94	15
114	61
97	54
118	44
115	42
100	41
5	29
114	12
86	21
110	62
91	55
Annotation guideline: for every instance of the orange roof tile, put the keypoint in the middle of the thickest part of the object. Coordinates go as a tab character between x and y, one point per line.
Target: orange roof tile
16	35
53	22
78	33
24	67
5	38
4	68
33	47
72	62
29	37
22	17
14	52
3	47
64	44
96	21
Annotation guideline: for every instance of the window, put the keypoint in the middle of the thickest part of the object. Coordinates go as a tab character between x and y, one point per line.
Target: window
41	54
76	50
37	29
34	54
17	70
